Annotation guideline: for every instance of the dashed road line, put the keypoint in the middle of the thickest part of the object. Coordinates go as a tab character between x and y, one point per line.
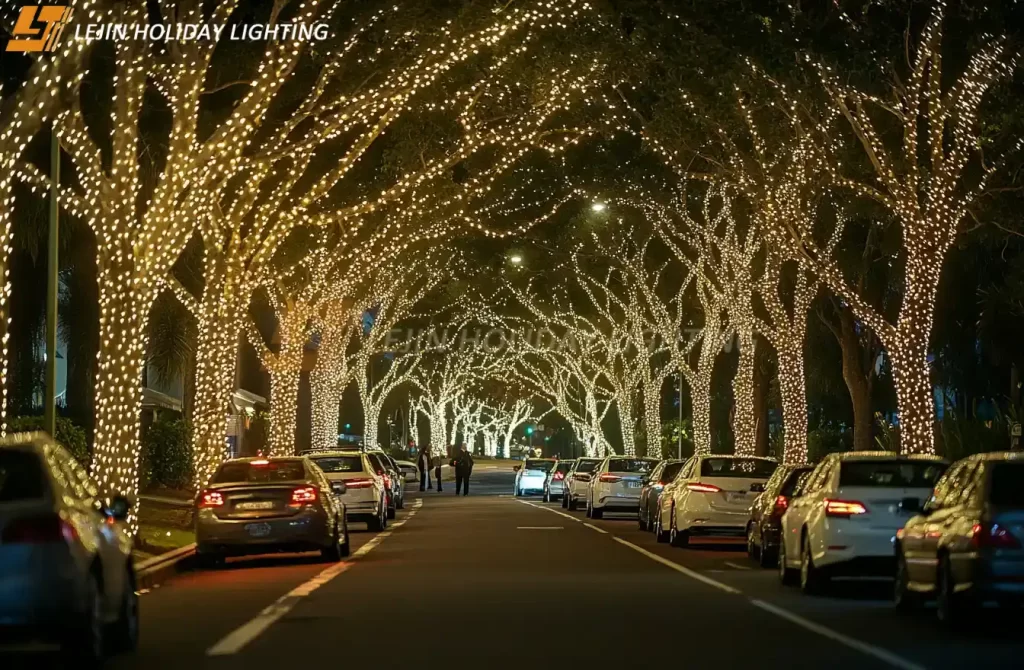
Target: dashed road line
540	527
737	565
593	527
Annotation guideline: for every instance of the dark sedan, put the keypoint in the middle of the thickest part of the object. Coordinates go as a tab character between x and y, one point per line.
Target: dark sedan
766	511
661	476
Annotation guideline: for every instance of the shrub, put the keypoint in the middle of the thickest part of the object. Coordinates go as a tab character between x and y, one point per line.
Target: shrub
71	436
824	441
166	458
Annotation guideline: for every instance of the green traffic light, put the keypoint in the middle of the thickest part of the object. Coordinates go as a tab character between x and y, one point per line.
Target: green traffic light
529	430
347	426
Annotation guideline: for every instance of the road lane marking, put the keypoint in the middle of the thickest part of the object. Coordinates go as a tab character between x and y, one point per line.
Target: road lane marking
863	647
599	530
737	565
678	568
236	640
540	527
553	511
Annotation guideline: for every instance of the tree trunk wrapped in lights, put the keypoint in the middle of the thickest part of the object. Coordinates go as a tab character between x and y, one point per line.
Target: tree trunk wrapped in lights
331	373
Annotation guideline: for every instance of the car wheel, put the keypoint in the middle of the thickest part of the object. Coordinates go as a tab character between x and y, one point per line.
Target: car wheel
123	634
346	547
752	550
565	501
401	502
572	505
812	580
787	575
659	533
641	522
676	537
391	512
595	512
83	646
207	559
953	608
766	557
903	597
547	496
332	552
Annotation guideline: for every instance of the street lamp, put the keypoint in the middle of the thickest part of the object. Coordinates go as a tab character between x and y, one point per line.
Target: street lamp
598	207
515	259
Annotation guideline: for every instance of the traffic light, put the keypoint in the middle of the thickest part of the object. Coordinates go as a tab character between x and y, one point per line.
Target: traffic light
529	430
348	426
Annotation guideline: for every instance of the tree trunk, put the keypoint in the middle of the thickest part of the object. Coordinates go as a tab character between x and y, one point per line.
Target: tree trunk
439	432
859	374
914	396
284	406
793	388
628	425
700	394
762	383
326	407
743	396
652	417
371	419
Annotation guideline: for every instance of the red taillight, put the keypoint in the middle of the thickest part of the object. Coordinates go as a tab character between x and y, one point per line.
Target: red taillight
993	537
386	477
559	476
211	499
844	508
610	478
304	495
359	483
39	530
781	504
260	461
703	488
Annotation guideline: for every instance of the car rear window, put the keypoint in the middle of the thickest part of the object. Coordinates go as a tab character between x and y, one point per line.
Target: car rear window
21	476
737	467
339	463
376	462
1007	485
587	466
274	471
563	466
535	464
792	480
631	465
670	471
893	473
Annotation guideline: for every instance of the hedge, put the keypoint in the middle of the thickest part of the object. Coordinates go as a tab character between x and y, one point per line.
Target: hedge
69	434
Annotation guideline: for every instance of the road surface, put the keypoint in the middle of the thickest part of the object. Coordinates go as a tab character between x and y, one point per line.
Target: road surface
493	581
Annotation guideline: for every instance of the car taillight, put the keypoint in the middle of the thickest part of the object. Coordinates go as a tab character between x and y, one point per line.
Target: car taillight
703	488
304	495
359	483
844	508
993	537
779	508
386	477
39	530
610	478
559	476
211	499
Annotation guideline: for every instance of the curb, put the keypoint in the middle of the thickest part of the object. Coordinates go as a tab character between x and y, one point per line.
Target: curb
154	570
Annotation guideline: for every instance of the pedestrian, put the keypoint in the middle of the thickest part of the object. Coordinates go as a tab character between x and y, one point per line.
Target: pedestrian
463	469
424	465
437	471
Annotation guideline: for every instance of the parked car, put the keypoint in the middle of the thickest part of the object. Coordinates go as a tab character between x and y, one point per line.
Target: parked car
554	484
766	513
264	505
659	478
398	478
364	498
531	475
409	469
845	520
392	480
965	547
577	480
66	572
710	499
615	485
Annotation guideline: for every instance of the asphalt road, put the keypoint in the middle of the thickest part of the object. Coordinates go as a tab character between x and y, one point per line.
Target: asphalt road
492	581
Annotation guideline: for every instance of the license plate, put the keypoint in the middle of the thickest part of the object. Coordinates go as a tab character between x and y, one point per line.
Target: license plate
258	529
632	485
736	497
269	504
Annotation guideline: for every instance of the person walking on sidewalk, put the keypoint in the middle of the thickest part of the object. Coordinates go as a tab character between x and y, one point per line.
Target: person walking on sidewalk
424	466
463	469
437	472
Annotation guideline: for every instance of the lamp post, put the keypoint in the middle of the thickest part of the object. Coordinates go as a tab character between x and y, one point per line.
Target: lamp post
50	402
680	401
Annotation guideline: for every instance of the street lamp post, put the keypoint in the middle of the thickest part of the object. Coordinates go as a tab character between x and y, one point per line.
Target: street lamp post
680	428
50	403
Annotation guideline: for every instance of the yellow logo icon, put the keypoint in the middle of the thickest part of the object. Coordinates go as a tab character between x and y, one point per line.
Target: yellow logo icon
38	28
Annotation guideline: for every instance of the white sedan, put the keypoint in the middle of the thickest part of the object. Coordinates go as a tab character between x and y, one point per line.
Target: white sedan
615	485
710	499
845	519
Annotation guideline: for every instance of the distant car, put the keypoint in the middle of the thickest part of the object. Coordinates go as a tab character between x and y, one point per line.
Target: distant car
265	505
710	499
554	484
660	477
531	475
615	485
392	480
845	520
966	547
578	480
365	498
766	513
66	572
409	469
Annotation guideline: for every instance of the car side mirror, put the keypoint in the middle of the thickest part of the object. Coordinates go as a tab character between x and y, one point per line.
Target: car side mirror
118	508
339	488
757	487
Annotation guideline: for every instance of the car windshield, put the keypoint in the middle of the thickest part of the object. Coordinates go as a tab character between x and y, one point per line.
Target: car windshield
737	467
254	471
1007	485
563	466
21	476
537	464
894	473
587	466
670	472
339	463
631	465
792	480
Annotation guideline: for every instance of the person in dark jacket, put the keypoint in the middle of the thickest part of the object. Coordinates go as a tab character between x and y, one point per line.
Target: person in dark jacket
424	466
463	469
437	471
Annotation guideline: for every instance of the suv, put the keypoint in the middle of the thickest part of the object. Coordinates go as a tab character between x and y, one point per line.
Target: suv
577	480
365	498
554	485
616	483
532	474
766	513
392	476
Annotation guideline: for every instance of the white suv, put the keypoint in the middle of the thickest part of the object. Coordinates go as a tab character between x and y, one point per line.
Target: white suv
710	499
365	498
577	481
615	485
844	519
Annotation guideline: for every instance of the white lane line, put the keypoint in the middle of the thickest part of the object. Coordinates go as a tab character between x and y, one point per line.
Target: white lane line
863	647
553	511
540	527
599	530
737	565
678	568
237	639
